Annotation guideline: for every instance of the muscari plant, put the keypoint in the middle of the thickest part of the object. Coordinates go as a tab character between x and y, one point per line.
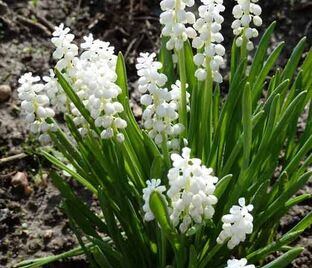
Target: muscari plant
206	178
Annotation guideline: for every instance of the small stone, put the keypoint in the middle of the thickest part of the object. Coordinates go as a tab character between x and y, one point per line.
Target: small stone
5	93
20	180
48	234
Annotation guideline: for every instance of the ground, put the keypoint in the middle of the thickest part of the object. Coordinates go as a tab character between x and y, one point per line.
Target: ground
31	223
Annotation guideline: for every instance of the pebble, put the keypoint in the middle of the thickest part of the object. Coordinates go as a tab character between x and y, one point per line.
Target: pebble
5	93
48	234
20	180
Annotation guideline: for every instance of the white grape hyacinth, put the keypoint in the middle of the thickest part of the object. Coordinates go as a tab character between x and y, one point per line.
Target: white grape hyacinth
208	40
242	263
245	13
152	185
35	105
92	75
191	191
65	51
161	105
175	19
236	225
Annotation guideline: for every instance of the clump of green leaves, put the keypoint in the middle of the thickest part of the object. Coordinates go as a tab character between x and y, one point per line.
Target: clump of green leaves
249	137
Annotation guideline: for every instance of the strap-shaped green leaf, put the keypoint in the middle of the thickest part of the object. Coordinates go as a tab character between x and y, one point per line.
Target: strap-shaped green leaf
74	97
222	185
261	53
159	208
285	259
294	59
62	166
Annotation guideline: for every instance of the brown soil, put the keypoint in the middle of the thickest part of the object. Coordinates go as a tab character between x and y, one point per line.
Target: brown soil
31	224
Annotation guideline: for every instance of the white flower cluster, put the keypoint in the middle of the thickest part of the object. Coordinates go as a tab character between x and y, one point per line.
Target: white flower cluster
55	93
161	105
35	105
209	39
236	225
242	263
190	194
191	191
152	185
175	19
92	75
65	51
245	12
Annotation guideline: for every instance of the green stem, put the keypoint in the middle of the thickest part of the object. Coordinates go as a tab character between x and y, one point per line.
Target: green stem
163	249
205	133
210	255
164	148
183	103
243	50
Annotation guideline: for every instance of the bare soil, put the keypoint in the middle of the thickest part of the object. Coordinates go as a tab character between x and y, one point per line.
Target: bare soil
31	223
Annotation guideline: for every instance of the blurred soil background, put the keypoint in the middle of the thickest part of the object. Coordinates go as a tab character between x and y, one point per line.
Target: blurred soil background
31	223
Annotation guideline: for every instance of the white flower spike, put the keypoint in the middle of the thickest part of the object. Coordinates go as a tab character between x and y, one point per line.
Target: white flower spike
208	40
92	75
245	13
236	225
191	191
161	105
175	19
35	105
242	263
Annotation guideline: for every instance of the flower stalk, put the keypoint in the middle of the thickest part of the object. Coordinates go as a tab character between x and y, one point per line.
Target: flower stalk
183	104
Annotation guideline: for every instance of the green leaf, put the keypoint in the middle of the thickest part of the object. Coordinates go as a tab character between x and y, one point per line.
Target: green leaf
158	168
295	161
279	202
261	254
69	195
63	167
193	262
294	60
40	262
159	208
190	67
305	223
247	126
258	85
261	53
285	259
74	97
222	185
165	57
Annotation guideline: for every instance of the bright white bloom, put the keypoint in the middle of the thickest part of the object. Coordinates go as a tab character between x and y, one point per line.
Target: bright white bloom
55	92
152	185
35	105
236	225
65	49
208	40
161	105
175	19
92	75
242	263
245	13
191	191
